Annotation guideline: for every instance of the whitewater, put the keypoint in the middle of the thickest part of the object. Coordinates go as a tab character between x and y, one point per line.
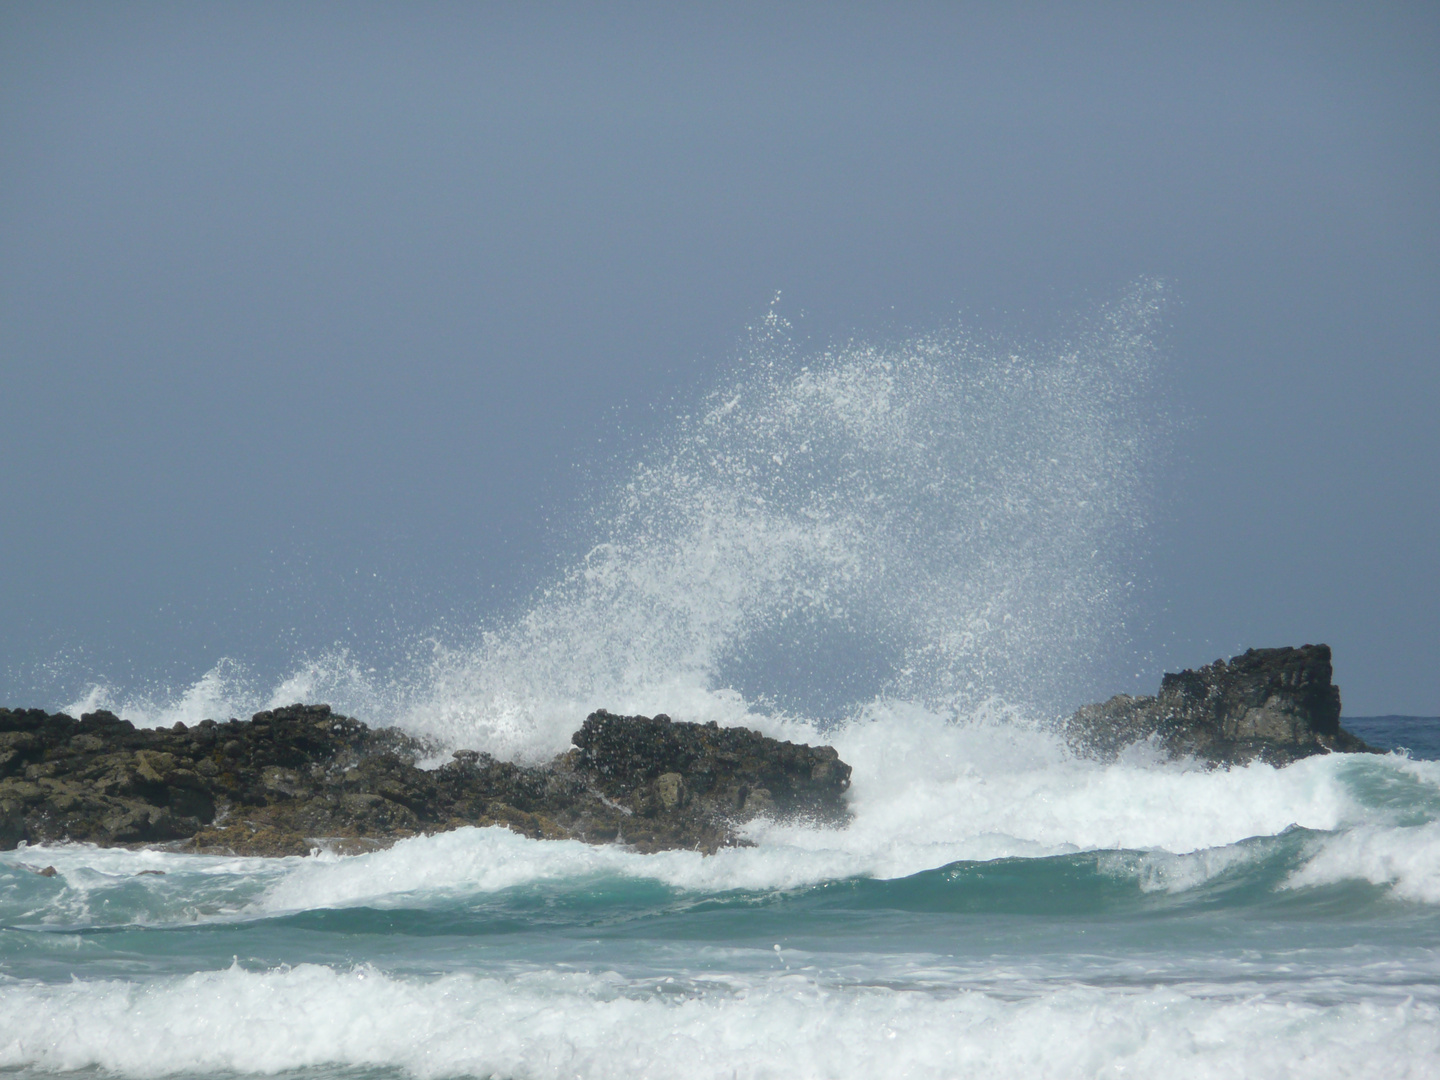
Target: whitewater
921	552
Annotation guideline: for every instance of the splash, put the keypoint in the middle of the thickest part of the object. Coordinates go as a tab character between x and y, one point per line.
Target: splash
942	520
945	519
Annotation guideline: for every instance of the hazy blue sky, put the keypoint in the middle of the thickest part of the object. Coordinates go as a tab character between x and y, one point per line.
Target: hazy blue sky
308	312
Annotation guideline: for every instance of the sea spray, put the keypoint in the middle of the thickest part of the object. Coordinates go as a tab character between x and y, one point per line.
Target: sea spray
943	519
917	551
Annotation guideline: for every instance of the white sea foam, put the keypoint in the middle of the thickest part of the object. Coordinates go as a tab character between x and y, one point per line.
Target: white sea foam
901	537
553	1024
955	787
1162	871
104	886
926	793
1406	858
950	519
924	796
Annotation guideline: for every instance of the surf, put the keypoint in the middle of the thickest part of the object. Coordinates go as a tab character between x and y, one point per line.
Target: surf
921	551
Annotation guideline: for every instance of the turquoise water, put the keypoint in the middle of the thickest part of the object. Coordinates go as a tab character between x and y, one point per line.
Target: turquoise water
1304	951
914	551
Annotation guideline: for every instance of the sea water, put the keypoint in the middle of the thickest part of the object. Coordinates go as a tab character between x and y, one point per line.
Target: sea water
918	553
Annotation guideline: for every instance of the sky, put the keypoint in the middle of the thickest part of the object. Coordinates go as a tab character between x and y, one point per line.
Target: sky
316	319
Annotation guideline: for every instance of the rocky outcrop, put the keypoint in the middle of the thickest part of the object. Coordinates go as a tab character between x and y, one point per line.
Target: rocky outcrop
1275	705
291	780
695	778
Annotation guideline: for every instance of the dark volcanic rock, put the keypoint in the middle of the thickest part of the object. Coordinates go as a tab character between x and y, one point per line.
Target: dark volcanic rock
681	779
1277	705
292	779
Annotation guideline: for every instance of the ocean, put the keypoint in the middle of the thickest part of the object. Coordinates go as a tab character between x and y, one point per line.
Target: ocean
920	553
1005	911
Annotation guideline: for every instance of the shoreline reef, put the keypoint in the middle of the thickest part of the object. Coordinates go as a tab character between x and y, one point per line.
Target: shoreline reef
294	780
301	778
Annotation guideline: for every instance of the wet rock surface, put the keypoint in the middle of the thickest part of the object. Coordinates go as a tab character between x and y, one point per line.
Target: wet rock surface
291	780
1274	705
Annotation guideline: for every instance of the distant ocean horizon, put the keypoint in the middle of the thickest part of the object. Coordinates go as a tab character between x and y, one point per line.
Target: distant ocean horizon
1420	735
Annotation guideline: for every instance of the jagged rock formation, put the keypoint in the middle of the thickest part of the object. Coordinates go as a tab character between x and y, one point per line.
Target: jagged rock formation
292	779
1277	705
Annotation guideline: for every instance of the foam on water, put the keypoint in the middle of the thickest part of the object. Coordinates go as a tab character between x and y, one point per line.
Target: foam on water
938	800
1407	859
567	1024
920	552
926	793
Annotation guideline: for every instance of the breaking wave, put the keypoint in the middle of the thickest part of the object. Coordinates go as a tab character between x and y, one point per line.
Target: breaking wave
603	1025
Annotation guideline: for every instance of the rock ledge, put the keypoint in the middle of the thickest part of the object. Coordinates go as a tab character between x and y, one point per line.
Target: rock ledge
1275	705
291	780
